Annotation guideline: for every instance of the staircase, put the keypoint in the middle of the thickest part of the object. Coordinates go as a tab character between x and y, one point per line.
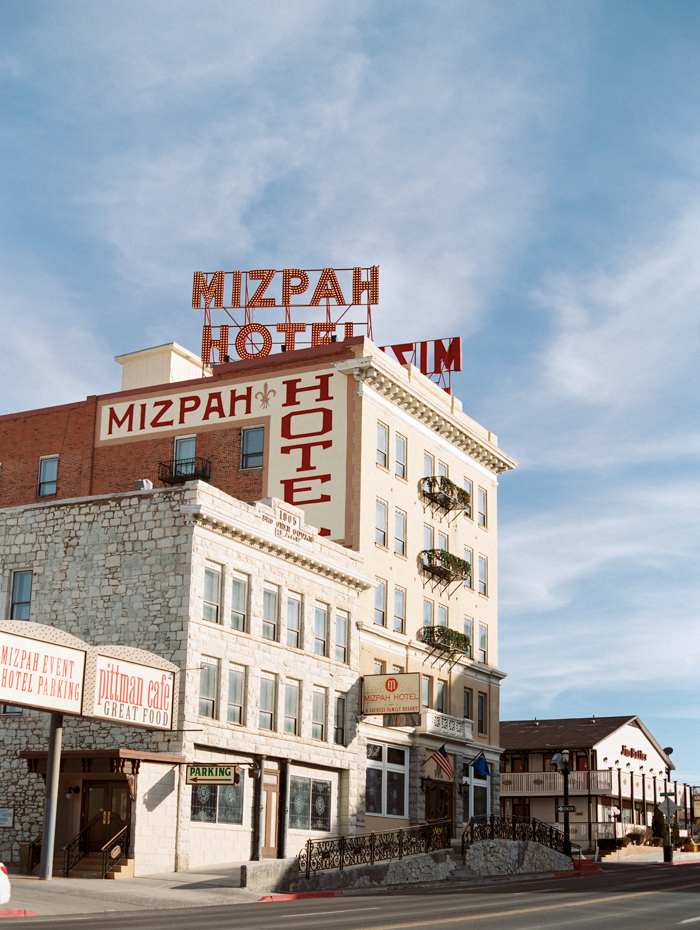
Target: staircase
91	867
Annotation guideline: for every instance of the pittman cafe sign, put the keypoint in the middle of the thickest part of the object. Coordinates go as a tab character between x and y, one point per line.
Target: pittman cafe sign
48	669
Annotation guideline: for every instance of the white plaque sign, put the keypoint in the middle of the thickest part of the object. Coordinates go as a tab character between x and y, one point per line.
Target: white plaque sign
391	694
129	693
34	673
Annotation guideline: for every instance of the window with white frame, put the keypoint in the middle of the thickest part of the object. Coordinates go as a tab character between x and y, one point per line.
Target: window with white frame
321	629
400	532
428	607
252	447
380	603
318	714
236	694
469	557
442	470
469	631
294	620
379	667
342	627
476	792
239	601
468	487
428	465
483	575
468	697
387	780
266	718
218	803
48	476
185	447
443	542
401	466
380	523
426	690
428	540
211	601
382	445
291	708
309	804
21	595
270	608
442	615
483	642
440	696
208	686
339	721
481	513
399	610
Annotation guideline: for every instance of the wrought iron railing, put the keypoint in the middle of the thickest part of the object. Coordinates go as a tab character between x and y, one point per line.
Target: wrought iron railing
115	851
79	847
177	471
444	637
514	828
34	857
339	852
444	565
445	493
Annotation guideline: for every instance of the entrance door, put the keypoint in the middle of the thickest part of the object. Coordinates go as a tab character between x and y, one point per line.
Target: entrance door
110	803
271	797
439	801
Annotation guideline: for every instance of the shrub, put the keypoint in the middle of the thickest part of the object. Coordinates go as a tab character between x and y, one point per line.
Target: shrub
636	837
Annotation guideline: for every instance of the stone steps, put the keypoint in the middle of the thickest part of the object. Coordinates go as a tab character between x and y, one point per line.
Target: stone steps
91	867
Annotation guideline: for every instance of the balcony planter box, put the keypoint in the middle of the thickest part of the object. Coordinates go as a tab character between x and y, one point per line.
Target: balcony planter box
443	637
443	565
445	493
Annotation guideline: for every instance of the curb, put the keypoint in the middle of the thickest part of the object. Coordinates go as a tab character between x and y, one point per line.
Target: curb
303	894
18	914
577	874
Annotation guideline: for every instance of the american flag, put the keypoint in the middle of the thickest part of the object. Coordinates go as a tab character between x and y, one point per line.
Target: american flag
440	757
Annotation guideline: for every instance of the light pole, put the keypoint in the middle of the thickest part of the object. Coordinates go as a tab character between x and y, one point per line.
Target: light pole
560	763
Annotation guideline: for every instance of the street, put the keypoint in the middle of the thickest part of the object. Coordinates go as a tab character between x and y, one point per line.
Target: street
640	896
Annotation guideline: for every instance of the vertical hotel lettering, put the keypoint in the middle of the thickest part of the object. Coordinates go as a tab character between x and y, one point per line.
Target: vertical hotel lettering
311	425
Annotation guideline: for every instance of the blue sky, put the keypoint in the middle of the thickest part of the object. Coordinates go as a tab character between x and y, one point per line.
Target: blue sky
526	176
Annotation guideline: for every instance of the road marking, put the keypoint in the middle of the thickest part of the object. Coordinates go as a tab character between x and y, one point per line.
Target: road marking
690	920
344	910
609	899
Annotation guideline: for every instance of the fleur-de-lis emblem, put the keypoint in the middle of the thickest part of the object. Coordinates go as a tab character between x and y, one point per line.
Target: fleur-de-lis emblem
265	396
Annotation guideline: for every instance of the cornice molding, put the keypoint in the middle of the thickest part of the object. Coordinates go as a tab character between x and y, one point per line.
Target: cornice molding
367	372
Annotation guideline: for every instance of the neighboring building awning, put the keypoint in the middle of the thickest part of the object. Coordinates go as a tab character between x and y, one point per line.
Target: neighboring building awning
116	761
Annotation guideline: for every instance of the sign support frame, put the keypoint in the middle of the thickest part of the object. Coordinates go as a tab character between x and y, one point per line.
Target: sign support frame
53	770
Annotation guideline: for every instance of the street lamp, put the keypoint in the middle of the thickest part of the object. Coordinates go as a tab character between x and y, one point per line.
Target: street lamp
560	763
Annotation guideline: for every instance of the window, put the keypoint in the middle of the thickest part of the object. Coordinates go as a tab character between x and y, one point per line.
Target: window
342	625
339	722
10	709
468	489
252	446
321	630
428	539
428	465
208	687
443	542
443	471
482	642
269	626
378	667
239	602
184	455
483	586
382	445
426	688
21	595
399	610
236	690
387	780
467	703
309	804
318	714
400	532
294	620
469	557
380	523
48	476
442	615
440	692
397	669
266	719
212	593
481	713
401	467
380	603
427	612
218	803
291	708
476	791
482	508
469	631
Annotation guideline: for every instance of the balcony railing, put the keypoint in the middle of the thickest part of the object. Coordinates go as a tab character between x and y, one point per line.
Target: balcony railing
444	566
601	781
436	724
443	638
445	494
178	471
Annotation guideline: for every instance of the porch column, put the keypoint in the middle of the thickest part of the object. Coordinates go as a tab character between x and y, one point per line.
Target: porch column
285	766
53	769
258	811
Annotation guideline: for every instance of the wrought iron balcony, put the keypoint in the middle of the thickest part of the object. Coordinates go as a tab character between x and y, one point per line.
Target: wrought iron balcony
178	471
444	566
444	493
444	638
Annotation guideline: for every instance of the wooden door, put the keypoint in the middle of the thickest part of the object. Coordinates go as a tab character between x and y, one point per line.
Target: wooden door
110	803
439	798
271	800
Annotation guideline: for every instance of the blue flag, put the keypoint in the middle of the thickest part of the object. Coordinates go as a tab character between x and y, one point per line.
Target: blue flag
481	766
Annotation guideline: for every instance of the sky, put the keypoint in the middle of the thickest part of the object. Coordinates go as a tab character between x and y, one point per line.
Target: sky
526	175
